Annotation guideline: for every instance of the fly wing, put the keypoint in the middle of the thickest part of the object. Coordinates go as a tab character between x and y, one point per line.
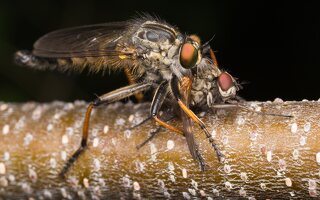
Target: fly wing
84	41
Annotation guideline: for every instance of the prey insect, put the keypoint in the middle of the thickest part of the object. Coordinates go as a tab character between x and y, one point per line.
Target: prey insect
155	56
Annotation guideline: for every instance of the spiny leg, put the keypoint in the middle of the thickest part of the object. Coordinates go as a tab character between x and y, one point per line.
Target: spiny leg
154	132
108	98
157	101
175	90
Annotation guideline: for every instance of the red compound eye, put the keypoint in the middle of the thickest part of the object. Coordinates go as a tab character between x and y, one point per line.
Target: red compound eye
188	55
225	81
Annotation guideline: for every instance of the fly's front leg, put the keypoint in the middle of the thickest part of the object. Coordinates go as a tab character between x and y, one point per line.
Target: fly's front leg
104	99
159	97
175	90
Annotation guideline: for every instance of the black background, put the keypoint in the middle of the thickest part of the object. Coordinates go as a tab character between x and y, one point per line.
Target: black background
272	46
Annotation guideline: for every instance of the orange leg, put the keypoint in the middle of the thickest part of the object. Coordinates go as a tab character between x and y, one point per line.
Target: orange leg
213	58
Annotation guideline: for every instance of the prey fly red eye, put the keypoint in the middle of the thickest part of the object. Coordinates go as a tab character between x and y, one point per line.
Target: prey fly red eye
188	55
225	81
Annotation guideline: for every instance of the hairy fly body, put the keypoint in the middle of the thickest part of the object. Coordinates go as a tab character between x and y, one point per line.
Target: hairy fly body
155	56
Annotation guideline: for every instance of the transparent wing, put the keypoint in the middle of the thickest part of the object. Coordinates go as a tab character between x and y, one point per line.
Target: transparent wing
83	41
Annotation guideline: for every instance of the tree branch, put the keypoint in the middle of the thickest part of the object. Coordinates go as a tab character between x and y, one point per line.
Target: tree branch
266	156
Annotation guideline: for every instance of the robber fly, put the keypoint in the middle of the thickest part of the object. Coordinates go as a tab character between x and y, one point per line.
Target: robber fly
154	55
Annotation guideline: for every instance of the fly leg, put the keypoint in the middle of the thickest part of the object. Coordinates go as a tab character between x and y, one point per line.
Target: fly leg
108	98
156	104
175	90
159	97
154	132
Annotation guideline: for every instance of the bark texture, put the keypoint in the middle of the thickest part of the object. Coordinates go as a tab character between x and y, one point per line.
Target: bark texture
267	157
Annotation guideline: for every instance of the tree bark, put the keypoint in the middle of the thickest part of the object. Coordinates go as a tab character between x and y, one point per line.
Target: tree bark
266	157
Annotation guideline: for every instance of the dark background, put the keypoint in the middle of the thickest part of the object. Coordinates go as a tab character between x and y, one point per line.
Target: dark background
273	47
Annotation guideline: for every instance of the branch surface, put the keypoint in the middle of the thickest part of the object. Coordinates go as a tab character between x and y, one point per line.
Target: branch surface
266	156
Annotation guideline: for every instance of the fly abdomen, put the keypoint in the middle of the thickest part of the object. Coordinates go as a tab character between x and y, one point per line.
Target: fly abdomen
26	58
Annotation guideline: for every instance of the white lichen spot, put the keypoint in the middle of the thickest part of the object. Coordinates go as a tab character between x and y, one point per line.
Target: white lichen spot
5	129
225	140
295	154
213	133
170	144
282	165
312	184
63	192
240	120
172	178
86	183
49	127
294	128
170	166
228	185
288	182
303	140
194	184
227	168
65	139
126	181
3	181
27	139
136	186
47	194
263	186
153	149
307	127
269	156
192	191
209	198
161	184
253	136
33	175
184	173
120	122
202	114
292	194
202	193
242	192
6	156
215	192
114	141
95	142
318	158
12	178
63	155
3	107
127	133
2	168
53	163
166	194
36	114
140	166
186	195
131	118
69	131
244	176
105	129
277	100
26	188
96	164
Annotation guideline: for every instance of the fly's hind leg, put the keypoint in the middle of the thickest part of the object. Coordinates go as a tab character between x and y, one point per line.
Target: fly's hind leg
104	99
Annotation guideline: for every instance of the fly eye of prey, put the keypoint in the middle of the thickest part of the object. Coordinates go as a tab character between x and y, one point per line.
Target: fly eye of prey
188	55
225	81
